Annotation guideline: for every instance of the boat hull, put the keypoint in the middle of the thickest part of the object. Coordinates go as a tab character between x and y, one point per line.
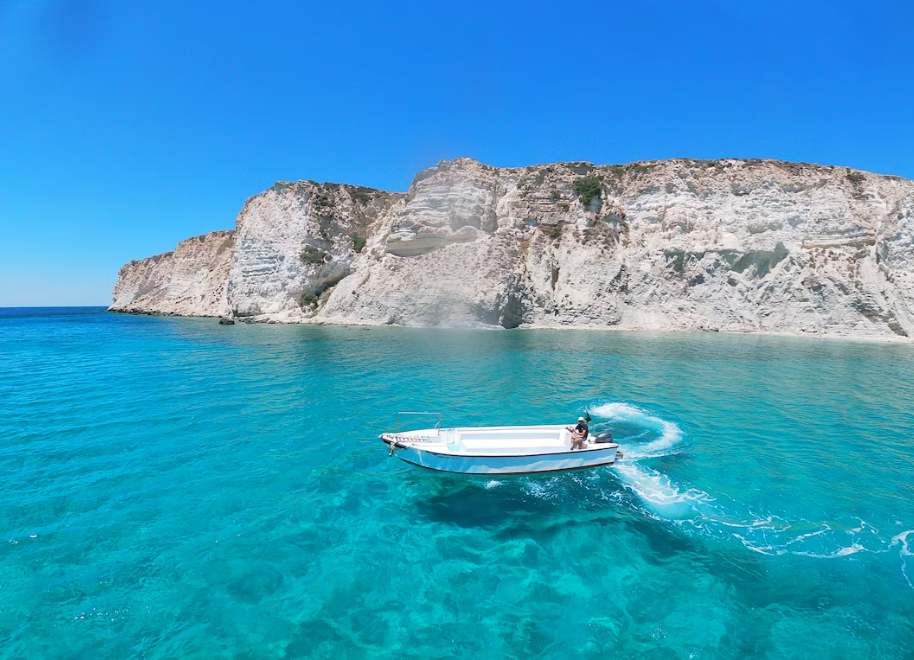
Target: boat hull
524	464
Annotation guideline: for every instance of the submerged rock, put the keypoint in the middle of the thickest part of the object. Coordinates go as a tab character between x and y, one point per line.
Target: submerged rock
727	245
226	321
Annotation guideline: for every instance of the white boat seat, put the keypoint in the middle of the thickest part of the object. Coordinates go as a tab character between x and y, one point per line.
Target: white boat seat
512	446
517	436
520	442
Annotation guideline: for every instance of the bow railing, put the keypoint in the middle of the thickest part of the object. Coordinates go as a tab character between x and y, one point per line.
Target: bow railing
409	412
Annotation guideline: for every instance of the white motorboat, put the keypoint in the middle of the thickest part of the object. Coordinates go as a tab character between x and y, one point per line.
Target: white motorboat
498	449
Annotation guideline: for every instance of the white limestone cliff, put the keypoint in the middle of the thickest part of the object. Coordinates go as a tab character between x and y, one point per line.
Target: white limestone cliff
297	240
191	281
728	245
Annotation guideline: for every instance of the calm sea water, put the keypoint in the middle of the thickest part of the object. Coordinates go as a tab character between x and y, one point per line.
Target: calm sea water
176	489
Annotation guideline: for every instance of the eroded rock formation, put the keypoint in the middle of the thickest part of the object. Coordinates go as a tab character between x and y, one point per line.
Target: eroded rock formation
191	281
725	245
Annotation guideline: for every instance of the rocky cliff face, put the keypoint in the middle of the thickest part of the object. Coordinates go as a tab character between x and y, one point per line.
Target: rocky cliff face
295	241
688	245
191	281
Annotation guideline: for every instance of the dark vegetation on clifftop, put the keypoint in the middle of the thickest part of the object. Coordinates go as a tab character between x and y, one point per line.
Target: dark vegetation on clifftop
588	188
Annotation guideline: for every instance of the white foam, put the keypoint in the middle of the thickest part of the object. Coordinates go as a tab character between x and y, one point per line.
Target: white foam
905	552
540	489
902	539
655	489
841	552
694	509
784	547
659	493
669	434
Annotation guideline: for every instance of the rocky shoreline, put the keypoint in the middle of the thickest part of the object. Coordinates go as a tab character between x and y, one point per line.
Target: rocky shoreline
731	245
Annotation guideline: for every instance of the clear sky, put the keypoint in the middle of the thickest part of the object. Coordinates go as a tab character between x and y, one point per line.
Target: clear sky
127	126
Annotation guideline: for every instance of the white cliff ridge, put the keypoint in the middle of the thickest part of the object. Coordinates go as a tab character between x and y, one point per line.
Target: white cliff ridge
727	245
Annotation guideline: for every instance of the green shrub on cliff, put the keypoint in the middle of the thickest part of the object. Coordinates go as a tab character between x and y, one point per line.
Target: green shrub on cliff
855	178
638	168
361	196
312	255
358	243
588	188
616	170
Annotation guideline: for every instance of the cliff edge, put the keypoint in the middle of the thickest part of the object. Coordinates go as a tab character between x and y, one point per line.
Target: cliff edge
191	281
726	245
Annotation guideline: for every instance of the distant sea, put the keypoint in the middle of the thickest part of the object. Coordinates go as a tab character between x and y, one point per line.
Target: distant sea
172	488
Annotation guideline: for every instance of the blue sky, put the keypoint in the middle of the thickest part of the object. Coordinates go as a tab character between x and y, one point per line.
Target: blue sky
128	126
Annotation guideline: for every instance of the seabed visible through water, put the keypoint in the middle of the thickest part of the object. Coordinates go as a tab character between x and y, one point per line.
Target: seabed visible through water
175	488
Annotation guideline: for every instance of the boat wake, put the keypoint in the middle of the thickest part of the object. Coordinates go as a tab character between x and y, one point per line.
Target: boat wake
645	437
905	551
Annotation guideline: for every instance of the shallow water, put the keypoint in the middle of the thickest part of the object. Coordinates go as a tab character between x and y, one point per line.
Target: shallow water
176	489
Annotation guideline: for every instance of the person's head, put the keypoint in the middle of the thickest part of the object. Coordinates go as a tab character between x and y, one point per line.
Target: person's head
580	419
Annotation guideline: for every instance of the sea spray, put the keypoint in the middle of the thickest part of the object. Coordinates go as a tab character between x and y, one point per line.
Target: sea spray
658	437
667	434
901	540
695	511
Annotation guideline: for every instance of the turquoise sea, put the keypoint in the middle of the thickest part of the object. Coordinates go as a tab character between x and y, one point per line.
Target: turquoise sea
172	488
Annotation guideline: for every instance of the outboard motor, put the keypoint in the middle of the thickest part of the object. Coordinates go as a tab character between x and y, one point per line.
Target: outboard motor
605	436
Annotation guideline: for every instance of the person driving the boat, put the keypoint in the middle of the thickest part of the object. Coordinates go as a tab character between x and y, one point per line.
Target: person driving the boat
579	434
